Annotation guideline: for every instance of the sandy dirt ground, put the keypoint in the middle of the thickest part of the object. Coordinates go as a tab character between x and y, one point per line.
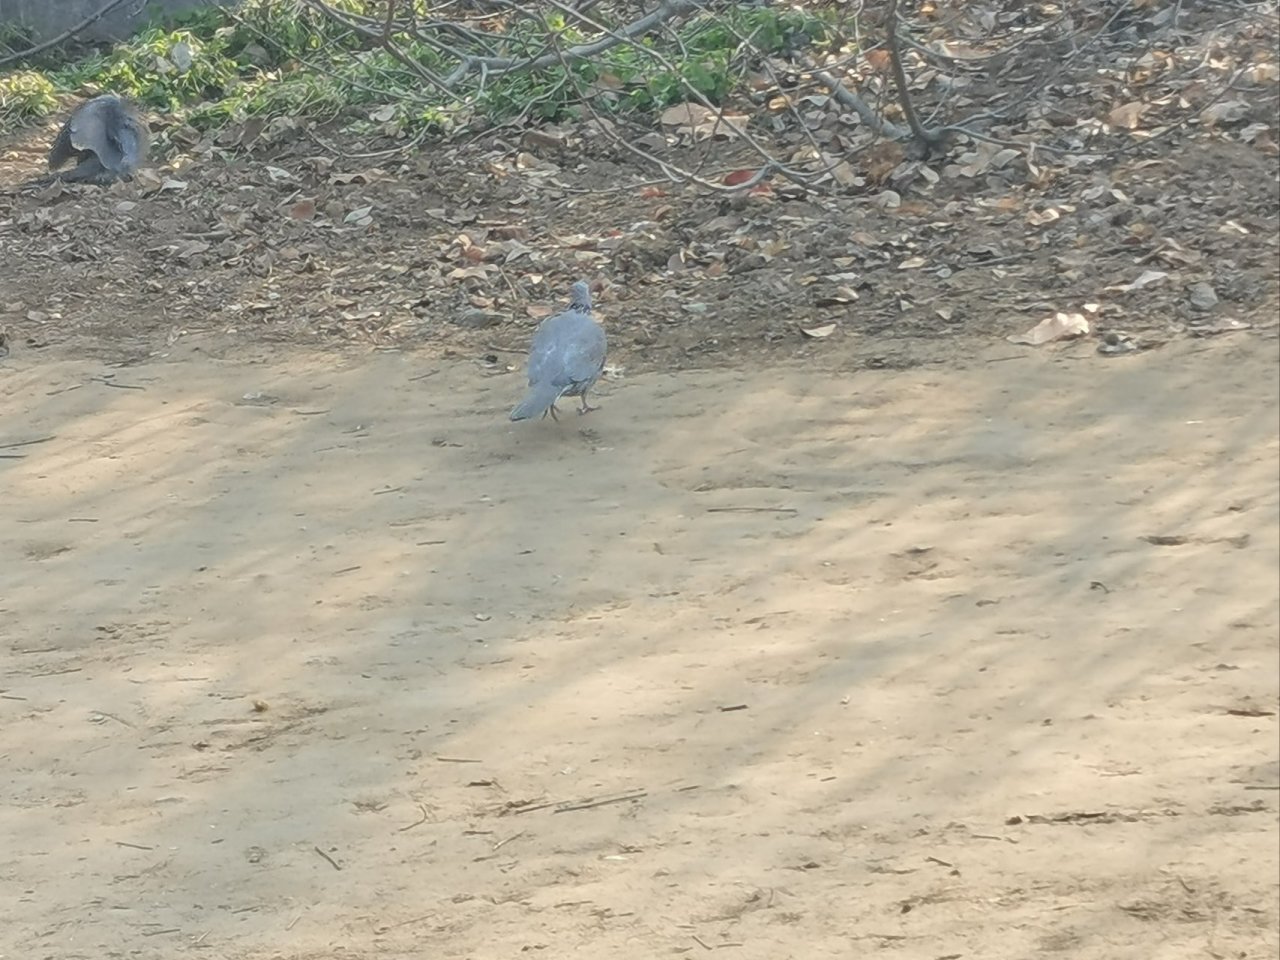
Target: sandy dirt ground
317	656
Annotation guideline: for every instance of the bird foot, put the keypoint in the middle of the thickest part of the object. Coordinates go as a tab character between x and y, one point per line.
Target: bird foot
586	408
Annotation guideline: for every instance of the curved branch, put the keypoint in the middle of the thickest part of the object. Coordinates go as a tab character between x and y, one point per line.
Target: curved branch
64	36
496	66
847	98
929	138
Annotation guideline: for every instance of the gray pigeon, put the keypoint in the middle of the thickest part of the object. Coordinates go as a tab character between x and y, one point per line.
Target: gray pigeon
565	358
105	137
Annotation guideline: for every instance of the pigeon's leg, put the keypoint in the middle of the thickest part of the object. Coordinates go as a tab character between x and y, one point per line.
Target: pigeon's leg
586	407
552	410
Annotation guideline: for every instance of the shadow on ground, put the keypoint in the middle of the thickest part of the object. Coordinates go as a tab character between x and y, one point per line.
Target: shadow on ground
301	658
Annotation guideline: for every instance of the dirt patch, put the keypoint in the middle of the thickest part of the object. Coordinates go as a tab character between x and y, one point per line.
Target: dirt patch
316	657
459	252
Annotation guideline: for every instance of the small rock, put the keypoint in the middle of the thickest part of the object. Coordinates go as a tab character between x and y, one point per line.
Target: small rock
477	319
752	261
1115	343
1203	296
653	142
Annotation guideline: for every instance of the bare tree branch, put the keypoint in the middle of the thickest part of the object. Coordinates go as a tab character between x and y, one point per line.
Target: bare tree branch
393	50
847	98
929	139
64	36
500	65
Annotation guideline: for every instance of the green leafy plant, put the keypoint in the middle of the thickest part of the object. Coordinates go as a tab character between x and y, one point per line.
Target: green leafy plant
282	56
25	96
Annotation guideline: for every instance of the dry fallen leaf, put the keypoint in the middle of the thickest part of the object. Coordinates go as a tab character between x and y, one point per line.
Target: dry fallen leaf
1127	116
1226	325
1038	218
480	272
1227	111
888	199
303	210
819	332
190	248
1253	131
700	121
1263	72
841	171
839	297
1148	277
686	115
912	263
1061	326
879	60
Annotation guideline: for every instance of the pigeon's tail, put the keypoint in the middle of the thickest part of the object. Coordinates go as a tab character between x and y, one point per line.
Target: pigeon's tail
536	402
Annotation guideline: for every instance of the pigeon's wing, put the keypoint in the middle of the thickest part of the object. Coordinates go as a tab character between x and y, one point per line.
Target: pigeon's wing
545	351
584	353
109	129
91	129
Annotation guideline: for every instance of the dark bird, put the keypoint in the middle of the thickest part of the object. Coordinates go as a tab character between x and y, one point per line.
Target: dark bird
565	358
105	137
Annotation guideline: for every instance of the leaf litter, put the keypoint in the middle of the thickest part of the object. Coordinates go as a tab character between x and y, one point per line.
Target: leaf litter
1170	212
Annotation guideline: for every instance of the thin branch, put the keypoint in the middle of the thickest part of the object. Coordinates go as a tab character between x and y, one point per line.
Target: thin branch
769	163
65	35
1186	120
1059	68
748	43
394	51
929	139
585	51
847	98
392	91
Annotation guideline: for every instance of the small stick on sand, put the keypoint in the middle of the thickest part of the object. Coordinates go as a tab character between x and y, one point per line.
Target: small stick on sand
502	843
752	510
26	443
603	801
417	823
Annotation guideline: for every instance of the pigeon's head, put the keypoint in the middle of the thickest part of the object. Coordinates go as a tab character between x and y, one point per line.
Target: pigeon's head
580	297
